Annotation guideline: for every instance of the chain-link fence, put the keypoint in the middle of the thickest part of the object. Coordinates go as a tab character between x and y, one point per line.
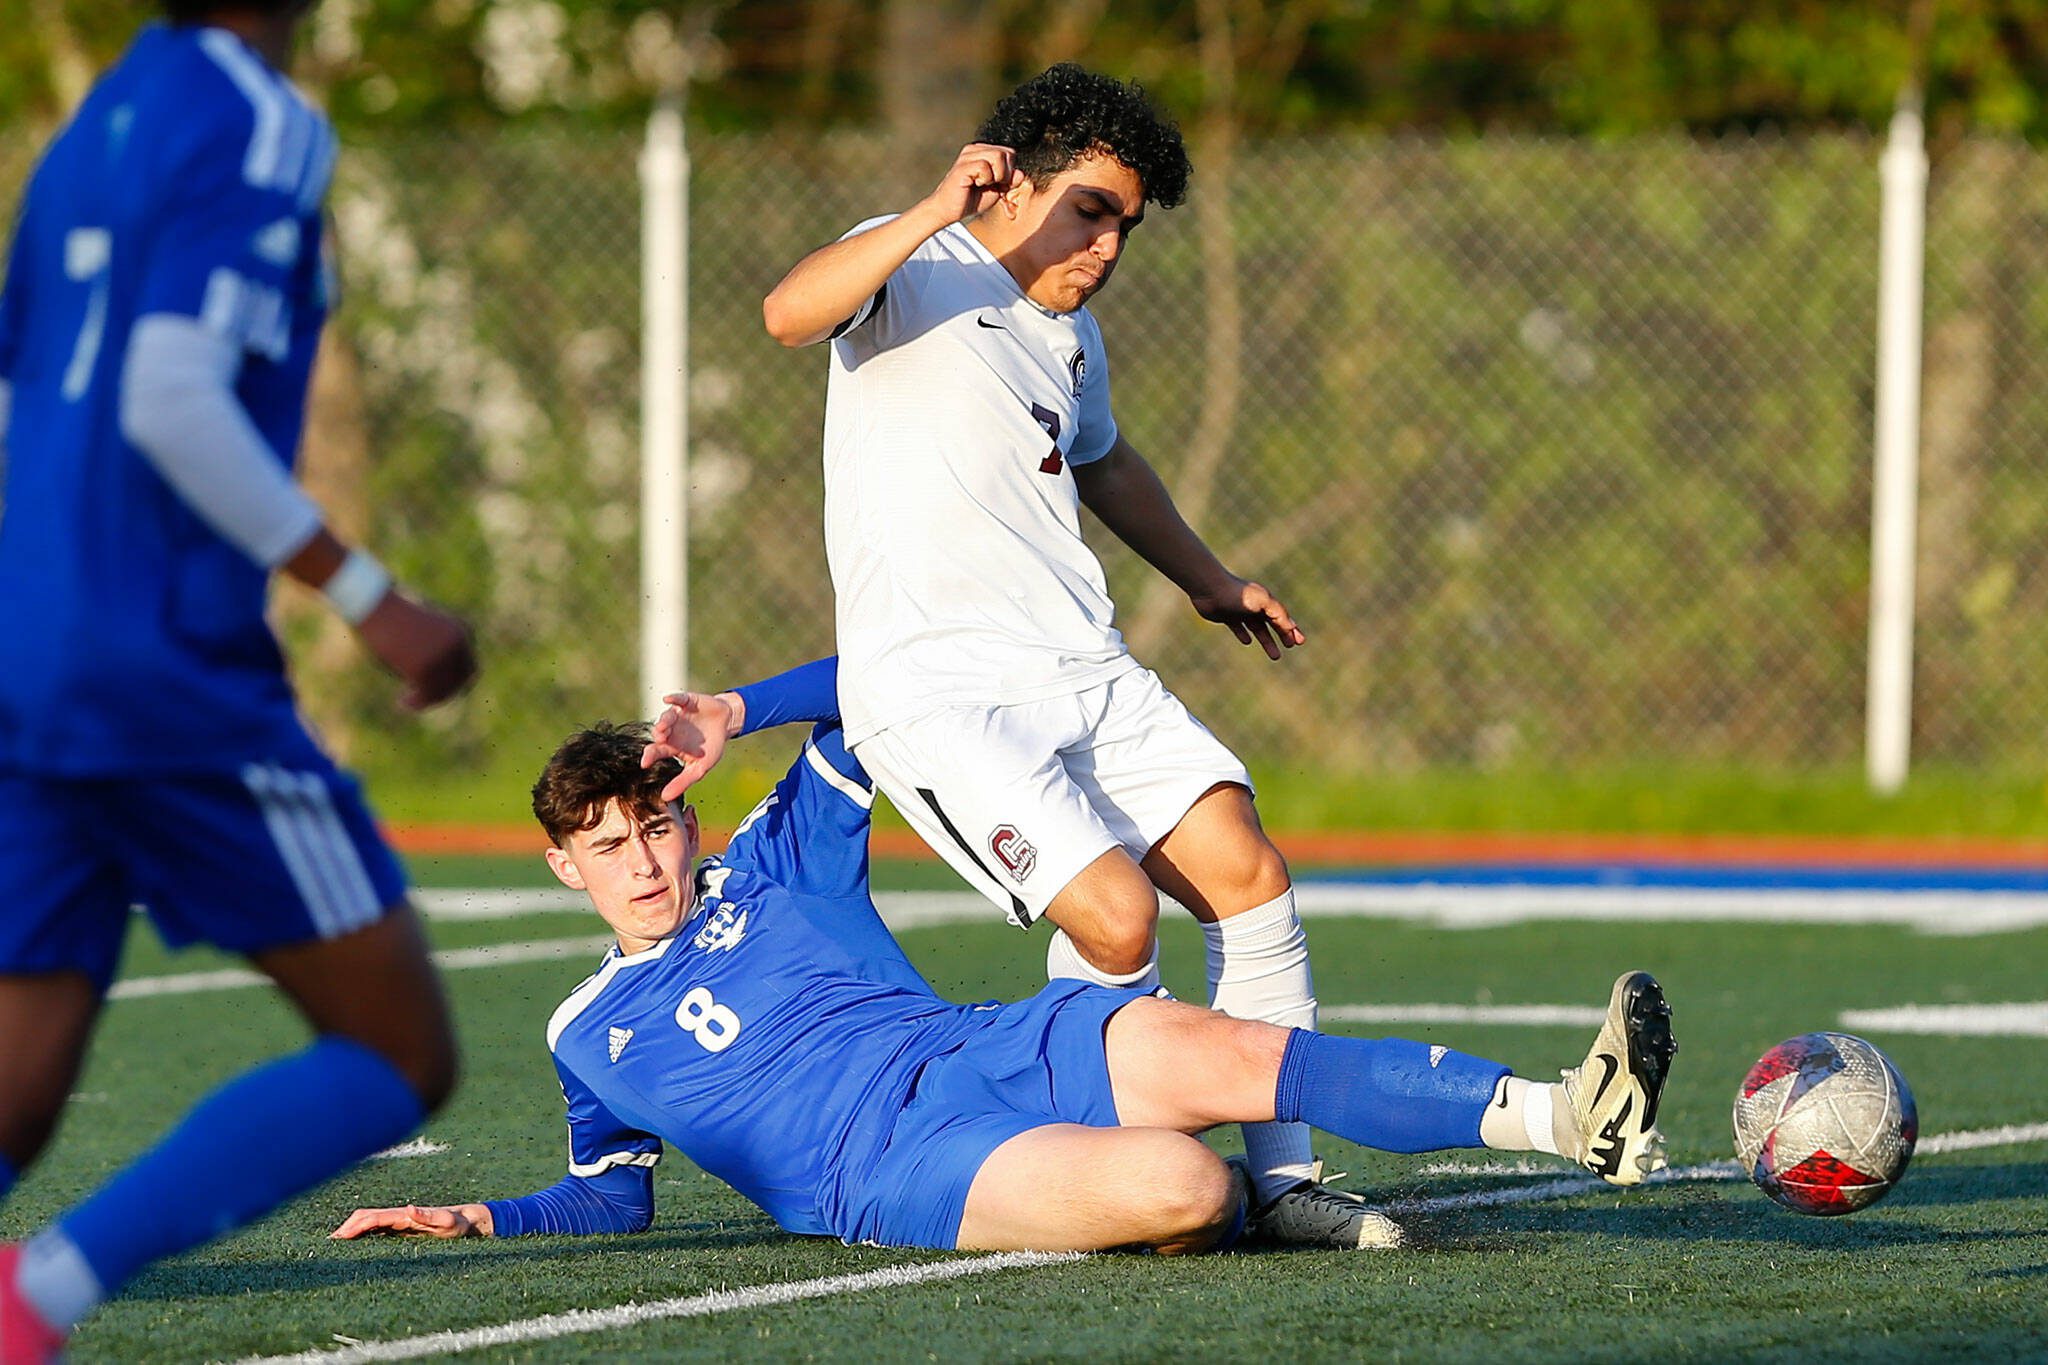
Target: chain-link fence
1559	450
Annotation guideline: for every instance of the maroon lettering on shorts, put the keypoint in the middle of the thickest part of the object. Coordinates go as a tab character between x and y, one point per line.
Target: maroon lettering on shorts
1013	851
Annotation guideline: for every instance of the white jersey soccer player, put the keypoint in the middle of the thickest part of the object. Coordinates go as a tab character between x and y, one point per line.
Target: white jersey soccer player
955	405
985	686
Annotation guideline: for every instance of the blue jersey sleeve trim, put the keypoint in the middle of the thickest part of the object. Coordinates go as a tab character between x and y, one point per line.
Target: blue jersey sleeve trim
807	692
829	757
620	1199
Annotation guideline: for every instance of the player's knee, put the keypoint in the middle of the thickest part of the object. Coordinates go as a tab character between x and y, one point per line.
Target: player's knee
1119	947
1198	1202
1255	871
1266	873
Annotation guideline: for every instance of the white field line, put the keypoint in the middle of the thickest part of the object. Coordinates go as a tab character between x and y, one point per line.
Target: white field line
448	960
696	1306
417	1147
495	902
1480	907
1534	1016
2024	1020
1446	905
1528	1165
897	1277
1560	1187
2016	1020
2011	1135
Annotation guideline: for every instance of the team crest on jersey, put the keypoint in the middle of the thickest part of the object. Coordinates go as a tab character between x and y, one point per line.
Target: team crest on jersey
723	930
1013	851
1077	369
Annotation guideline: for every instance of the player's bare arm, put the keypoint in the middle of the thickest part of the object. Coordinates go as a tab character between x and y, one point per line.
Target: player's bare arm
1125	492
418	1220
430	650
828	286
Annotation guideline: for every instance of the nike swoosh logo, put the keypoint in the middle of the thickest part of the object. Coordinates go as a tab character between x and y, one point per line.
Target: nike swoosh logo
1606	1080
992	326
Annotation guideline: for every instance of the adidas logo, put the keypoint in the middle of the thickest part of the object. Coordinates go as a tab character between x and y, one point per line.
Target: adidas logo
620	1037
1437	1053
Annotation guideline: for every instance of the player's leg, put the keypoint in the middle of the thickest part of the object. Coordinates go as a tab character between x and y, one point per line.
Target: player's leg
404	1019
1219	863
1173	790
63	916
1106	923
988	789
1172	1065
47	1019
286	867
1065	1187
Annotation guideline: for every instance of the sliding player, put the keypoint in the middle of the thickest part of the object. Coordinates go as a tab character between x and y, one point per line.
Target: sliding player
967	420
164	297
759	1018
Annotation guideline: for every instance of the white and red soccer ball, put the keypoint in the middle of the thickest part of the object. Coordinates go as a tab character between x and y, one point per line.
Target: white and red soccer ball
1825	1124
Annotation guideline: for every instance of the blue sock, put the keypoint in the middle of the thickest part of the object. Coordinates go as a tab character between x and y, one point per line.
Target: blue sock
8	1175
1386	1093
265	1136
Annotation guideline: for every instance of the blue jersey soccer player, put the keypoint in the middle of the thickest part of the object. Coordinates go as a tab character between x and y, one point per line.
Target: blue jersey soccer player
758	1017
165	293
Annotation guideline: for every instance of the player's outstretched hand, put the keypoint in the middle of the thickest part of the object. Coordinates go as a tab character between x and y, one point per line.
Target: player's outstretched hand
426	647
981	174
1252	614
417	1220
692	731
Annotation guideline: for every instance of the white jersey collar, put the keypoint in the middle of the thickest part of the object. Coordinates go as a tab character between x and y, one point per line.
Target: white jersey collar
975	245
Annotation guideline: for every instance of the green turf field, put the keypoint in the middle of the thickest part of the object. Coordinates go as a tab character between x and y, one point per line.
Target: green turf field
1653	798
1954	1263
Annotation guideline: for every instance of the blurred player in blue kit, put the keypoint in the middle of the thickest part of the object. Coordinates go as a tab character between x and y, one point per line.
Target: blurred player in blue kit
165	294
756	1015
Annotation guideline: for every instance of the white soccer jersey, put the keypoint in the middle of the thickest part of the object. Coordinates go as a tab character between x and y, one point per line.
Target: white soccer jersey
955	412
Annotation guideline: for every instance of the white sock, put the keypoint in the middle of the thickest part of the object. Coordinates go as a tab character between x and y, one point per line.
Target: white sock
54	1277
1522	1117
1063	962
1258	969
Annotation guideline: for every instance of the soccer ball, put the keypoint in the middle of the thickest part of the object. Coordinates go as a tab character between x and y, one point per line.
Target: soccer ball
1824	1124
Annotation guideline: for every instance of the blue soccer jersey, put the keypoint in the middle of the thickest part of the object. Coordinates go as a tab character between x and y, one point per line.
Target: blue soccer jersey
188	183
695	1039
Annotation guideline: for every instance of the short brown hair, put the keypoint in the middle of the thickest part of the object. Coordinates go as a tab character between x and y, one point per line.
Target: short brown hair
594	768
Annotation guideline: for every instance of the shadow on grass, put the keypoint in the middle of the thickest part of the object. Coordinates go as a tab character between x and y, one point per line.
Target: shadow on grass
1728	1211
370	1260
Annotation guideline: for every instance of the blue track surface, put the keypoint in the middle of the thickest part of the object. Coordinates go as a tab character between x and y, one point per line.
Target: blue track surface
1698	877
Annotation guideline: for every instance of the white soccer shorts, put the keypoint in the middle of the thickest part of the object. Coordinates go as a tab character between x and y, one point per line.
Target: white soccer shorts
1019	799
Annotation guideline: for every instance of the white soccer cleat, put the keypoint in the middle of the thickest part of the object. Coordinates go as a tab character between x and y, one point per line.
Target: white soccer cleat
1612	1098
1314	1215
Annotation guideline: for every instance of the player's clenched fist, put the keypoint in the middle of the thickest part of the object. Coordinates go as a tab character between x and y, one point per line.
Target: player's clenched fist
981	174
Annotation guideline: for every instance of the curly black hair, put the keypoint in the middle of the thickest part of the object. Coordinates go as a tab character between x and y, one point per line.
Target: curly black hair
1066	113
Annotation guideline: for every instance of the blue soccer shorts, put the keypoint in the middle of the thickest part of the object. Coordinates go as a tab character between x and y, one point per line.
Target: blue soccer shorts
262	858
1036	1062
